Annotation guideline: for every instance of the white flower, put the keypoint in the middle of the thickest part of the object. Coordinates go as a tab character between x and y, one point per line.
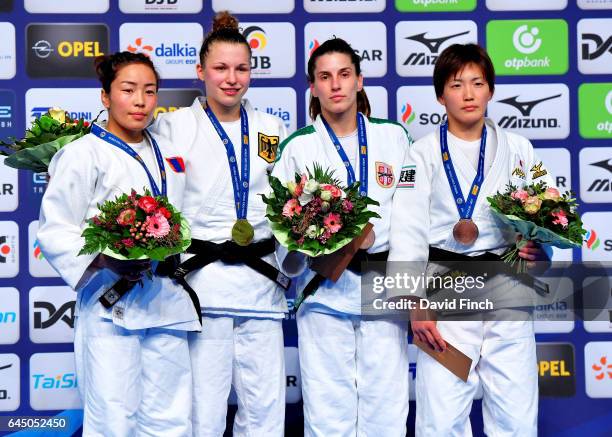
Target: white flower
311	186
305	198
311	232
326	195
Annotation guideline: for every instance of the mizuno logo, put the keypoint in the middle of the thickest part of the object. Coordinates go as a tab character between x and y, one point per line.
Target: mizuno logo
525	107
433	44
605	164
6	367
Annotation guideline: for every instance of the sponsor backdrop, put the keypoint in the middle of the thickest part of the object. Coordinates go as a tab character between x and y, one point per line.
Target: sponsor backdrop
554	65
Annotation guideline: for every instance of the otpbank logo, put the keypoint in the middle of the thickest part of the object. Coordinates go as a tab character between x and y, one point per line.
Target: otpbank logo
595	110
435	5
528	47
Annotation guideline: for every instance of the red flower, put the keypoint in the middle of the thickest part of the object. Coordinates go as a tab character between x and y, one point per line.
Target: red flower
147	203
128	242
126	217
163	211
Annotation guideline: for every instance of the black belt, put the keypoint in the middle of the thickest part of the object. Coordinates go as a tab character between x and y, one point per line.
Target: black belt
441	255
123	285
355	266
228	252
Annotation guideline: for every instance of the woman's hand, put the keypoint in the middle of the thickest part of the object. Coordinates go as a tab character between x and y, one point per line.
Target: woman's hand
369	240
531	252
426	330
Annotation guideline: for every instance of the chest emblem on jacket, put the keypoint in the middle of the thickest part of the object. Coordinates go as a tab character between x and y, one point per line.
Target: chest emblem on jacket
519	169
384	174
176	164
537	171
267	147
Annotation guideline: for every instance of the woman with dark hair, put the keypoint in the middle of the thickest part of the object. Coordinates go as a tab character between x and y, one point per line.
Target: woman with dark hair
354	366
132	360
232	265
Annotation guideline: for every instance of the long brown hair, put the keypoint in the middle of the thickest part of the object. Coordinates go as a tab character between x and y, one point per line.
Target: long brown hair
336	45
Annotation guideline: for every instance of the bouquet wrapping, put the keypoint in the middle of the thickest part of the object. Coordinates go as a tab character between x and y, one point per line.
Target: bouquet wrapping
540	214
314	214
43	139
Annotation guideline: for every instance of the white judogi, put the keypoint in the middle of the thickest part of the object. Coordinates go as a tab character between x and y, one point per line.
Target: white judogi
354	369
503	352
132	361
242	339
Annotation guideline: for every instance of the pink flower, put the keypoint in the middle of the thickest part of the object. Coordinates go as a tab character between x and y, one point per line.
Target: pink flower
128	242
147	203
335	191
157	226
291	208
325	236
521	195
299	189
347	206
332	222
560	218
532	205
126	217
552	193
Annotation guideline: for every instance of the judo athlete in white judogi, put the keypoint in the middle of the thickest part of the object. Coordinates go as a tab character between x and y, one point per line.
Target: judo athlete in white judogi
354	369
240	290
132	360
424	224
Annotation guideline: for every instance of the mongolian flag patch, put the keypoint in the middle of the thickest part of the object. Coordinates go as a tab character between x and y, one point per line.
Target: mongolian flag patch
177	164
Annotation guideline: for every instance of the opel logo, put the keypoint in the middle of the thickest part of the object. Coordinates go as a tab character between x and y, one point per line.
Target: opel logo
42	49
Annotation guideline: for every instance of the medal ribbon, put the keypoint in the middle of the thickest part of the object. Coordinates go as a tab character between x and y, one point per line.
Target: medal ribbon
240	184
363	154
119	143
465	207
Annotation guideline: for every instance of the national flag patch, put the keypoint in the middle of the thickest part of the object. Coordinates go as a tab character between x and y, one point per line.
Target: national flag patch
407	177
268	147
177	164
384	174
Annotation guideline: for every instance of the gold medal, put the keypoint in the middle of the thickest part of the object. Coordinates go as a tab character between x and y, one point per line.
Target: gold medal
465	232
242	232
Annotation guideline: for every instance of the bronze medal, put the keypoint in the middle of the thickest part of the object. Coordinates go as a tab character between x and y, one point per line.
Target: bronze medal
242	232
465	232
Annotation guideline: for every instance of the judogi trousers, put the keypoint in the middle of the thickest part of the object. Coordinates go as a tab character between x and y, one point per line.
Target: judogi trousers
354	375
504	362
143	379
247	353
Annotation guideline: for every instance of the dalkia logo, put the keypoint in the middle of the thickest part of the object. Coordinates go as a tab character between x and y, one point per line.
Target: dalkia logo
595	110
602	369
408	113
592	240
528	47
174	50
435	5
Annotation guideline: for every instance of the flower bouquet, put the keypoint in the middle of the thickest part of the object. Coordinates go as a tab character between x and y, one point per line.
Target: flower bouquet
315	215
135	227
540	214
43	139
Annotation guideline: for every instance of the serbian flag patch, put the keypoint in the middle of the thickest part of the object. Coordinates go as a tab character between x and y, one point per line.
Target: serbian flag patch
177	164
